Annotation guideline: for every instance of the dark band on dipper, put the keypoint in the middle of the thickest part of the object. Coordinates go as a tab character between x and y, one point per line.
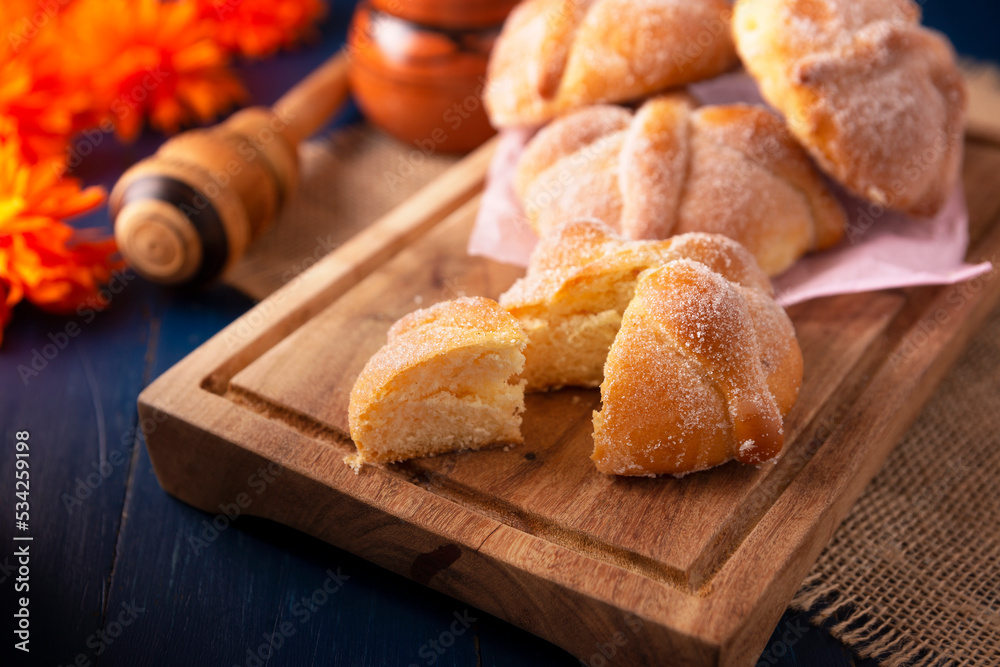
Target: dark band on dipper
196	207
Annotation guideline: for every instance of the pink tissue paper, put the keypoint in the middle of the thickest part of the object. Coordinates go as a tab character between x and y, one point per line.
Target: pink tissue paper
882	249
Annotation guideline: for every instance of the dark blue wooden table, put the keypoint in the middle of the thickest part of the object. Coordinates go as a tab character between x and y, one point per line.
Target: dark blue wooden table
114	576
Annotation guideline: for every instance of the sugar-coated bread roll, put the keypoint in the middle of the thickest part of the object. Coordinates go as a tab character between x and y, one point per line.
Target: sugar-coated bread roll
671	168
580	279
702	371
441	383
876	98
557	55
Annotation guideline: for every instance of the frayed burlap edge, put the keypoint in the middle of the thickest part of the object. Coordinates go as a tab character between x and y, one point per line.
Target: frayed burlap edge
912	576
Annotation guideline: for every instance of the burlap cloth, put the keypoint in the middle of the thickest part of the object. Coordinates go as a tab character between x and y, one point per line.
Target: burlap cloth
347	181
912	576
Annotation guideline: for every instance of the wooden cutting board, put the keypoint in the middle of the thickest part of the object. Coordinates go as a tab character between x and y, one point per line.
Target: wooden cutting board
695	571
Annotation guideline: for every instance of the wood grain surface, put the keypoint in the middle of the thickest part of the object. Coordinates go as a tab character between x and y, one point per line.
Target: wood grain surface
703	566
129	542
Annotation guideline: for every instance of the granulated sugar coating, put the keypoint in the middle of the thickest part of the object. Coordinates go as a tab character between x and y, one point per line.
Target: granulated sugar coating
702	371
592	124
442	382
580	280
877	99
671	168
554	56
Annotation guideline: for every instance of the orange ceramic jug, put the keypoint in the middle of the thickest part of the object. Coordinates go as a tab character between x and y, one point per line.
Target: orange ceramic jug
418	68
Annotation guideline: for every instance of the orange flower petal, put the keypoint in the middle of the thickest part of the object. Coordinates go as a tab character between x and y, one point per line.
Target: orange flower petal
257	28
148	53
40	256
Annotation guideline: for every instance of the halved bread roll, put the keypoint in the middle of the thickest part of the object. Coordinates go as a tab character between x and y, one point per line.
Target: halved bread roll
441	383
580	279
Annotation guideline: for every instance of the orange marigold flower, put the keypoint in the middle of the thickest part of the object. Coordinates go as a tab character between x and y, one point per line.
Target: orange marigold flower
40	101
146	58
258	28
40	258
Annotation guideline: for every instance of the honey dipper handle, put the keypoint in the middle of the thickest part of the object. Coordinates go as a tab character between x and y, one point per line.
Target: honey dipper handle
311	102
185	214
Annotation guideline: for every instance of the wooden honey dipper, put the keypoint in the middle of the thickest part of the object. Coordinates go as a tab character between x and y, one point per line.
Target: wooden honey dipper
185	214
